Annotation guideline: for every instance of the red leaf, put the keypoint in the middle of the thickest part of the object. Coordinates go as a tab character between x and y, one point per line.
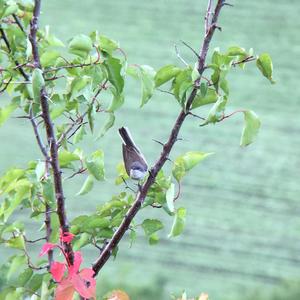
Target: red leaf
85	288
66	237
46	248
87	274
57	270
64	290
76	264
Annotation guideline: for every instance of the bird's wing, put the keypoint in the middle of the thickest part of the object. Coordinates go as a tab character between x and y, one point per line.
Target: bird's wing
130	155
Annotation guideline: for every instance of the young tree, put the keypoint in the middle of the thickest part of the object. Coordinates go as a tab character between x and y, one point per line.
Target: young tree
57	89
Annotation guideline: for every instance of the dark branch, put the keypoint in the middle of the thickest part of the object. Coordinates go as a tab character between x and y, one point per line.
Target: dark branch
19	67
59	194
141	195
245	60
19	23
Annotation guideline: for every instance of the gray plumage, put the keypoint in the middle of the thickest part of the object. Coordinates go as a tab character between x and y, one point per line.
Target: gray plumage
135	162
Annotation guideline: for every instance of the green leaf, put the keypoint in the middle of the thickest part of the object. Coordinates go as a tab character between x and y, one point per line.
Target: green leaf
46	287
95	222
147	83
170	197
16	262
236	51
16	242
91	117
264	64
54	41
203	89
251	128
178	223
40	170
49	58
122	174
65	158
6	111
216	111
80	133
58	105
165	74
35	282
38	83
224	86
107	125
55	228
80	45
108	45
48	191
11	9
150	226
186	162
87	186
205	97
132	237
181	84
117	100
83	240
95	165
23	189
153	239
80	86
24	276
114	68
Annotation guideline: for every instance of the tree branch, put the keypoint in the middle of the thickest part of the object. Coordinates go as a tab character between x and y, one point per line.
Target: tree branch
59	194
80	119
19	23
19	67
141	195
37	135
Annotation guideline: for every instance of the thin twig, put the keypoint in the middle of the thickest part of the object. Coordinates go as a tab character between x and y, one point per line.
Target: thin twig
30	264
158	142
245	60
188	46
70	66
6	85
179	56
195	116
231	114
5	39
34	241
37	135
178	192
80	119
167	92
80	171
19	23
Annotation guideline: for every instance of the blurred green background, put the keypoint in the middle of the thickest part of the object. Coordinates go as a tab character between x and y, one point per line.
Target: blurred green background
243	225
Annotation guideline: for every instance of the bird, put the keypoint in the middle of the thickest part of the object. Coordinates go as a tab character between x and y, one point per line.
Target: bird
134	161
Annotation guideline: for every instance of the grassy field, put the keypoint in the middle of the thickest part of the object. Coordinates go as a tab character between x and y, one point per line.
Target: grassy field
243	224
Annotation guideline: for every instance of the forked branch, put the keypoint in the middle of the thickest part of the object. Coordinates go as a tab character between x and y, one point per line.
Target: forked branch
141	195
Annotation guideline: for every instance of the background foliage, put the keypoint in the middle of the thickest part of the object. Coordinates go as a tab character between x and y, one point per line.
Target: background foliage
242	227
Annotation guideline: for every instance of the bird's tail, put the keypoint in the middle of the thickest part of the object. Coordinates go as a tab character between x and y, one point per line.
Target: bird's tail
126	137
